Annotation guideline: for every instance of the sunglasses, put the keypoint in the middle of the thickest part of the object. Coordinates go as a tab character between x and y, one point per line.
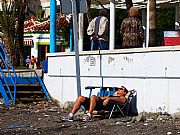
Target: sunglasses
121	88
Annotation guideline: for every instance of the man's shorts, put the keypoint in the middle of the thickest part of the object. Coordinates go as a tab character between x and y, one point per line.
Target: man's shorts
99	105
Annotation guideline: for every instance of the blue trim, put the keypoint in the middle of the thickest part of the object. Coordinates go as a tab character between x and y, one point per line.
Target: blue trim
43	88
71	36
52	26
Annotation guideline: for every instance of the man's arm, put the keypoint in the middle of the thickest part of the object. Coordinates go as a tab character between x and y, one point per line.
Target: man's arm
117	99
141	31
90	29
104	97
122	28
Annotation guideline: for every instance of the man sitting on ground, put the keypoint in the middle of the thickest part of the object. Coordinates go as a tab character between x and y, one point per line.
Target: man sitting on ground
96	103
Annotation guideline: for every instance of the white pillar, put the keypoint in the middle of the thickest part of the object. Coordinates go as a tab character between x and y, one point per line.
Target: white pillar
112	26
147	26
144	20
34	47
81	31
177	17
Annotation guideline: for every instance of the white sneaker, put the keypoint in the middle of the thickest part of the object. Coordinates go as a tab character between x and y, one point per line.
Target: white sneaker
87	118
67	118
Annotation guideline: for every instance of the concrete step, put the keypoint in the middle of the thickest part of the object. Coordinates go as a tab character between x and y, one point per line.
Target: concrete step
27	92
31	99
24	85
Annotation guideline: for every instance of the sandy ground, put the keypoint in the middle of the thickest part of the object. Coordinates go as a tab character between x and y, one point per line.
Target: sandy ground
45	118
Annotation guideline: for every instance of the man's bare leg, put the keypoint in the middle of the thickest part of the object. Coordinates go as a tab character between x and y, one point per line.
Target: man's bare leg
75	108
77	104
93	100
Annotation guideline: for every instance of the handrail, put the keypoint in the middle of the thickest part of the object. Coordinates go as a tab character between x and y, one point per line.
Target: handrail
3	92
12	78
43	86
4	78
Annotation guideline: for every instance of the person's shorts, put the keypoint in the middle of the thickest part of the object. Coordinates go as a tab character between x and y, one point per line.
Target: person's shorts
99	105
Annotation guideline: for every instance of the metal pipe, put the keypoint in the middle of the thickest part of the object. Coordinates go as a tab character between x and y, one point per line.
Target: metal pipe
76	46
52	26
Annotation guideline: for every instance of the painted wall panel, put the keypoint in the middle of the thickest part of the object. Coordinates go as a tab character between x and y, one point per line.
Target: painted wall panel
61	89
155	64
155	95
61	65
173	63
122	65
173	98
90	65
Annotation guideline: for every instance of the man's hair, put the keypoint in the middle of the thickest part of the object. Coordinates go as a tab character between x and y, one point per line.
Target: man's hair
133	11
125	90
103	12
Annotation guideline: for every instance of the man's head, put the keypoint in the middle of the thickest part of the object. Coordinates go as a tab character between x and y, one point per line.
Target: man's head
133	11
122	90
103	12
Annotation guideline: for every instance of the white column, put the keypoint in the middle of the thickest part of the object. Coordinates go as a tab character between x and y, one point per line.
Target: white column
81	31
34	47
147	26
112	26
144	22
177	17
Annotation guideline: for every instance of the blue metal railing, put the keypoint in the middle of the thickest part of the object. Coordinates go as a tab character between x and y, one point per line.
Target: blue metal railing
10	70
3	77
3	91
43	87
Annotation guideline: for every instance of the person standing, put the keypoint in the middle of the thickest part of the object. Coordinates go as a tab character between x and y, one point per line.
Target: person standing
132	30
27	61
33	62
98	31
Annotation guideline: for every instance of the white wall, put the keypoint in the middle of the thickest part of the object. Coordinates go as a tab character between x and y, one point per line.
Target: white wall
153	72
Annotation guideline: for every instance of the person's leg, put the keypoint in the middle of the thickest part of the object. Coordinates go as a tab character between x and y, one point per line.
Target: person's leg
94	45
27	65
93	100
92	105
35	65
79	101
32	63
103	45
